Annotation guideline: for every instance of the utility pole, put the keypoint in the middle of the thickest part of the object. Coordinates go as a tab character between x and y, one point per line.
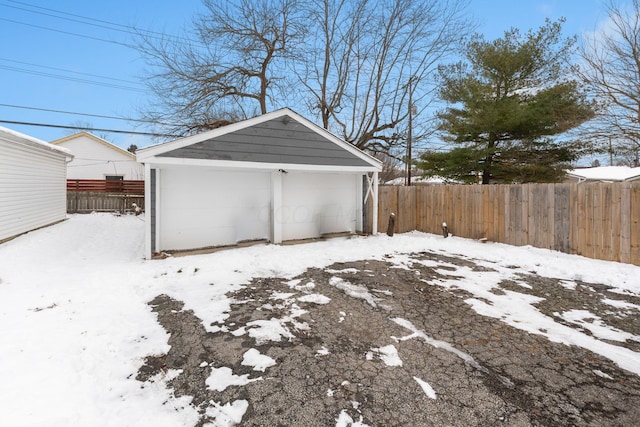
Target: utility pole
610	153
409	135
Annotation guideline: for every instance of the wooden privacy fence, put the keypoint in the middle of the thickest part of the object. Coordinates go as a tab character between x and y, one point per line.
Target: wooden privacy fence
98	195
87	202
106	186
597	220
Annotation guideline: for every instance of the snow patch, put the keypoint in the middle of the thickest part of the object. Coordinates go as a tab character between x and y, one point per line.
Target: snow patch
281	295
426	387
389	355
354	291
344	420
568	284
315	298
221	378
343	271
602	374
227	415
596	326
268	330
260	362
323	351
621	304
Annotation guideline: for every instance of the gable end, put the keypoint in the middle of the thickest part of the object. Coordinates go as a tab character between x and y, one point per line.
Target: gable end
282	140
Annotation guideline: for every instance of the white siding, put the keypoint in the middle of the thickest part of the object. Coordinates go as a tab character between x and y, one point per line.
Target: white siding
32	187
317	203
95	160
200	207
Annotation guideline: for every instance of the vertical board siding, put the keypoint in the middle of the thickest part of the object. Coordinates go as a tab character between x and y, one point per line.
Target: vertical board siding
562	218
597	220
32	188
625	232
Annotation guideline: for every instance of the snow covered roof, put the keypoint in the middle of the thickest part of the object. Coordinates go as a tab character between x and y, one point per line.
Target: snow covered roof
420	180
606	173
12	135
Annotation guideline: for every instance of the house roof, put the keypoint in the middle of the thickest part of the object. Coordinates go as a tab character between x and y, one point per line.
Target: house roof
12	135
96	139
419	180
606	173
280	139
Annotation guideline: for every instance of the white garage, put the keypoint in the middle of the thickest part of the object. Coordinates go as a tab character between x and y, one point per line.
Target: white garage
275	177
33	183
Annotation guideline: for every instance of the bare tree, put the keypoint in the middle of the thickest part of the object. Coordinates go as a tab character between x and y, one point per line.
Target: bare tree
325	71
370	57
230	72
358	64
611	67
84	126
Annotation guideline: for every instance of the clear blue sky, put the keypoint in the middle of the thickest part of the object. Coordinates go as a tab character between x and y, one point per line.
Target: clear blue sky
51	58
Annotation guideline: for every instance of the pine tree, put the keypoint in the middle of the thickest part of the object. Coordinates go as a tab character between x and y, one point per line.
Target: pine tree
506	102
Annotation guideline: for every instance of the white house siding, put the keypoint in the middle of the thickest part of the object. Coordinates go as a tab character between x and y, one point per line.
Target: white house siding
204	207
96	160
314	204
32	187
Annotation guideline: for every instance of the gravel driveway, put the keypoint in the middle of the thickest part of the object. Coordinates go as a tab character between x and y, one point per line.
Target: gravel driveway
371	343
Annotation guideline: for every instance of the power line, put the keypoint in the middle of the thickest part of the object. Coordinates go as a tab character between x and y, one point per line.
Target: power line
87	114
109	25
72	79
68	33
62	17
88	128
68	71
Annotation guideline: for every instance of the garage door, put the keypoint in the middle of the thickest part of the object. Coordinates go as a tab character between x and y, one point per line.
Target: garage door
314	204
203	207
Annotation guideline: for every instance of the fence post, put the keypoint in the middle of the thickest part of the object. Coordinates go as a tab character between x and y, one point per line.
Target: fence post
392	224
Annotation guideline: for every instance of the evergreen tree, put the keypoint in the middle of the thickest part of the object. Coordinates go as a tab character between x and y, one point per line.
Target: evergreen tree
506	102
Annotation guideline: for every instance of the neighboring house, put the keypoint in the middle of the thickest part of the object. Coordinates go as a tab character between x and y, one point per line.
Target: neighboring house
96	158
604	174
33	191
275	177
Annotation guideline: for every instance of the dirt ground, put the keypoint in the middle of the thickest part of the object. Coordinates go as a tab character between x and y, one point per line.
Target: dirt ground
484	372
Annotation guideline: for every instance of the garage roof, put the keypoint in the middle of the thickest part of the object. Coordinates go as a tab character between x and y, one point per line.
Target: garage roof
20	138
278	139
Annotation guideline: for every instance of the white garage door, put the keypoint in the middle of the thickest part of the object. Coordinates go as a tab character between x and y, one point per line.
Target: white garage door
315	203
203	207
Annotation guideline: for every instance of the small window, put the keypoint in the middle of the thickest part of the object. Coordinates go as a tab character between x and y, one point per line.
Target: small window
114	177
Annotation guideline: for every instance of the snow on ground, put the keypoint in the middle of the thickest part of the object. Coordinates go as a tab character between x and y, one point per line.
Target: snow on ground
260	362
388	354
75	325
426	387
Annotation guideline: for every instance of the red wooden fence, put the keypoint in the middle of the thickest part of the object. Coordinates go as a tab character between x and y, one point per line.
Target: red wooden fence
106	186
